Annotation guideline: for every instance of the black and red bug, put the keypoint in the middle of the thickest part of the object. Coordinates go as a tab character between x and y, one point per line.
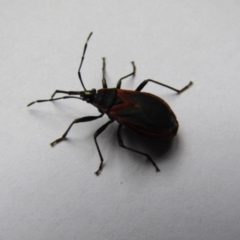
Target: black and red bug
143	112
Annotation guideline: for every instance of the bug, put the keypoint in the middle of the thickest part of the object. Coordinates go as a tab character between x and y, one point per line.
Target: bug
143	112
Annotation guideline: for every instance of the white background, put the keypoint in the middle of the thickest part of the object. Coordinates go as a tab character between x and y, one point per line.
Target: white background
52	193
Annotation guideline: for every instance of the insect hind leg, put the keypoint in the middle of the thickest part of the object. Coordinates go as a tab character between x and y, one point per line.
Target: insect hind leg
144	83
121	144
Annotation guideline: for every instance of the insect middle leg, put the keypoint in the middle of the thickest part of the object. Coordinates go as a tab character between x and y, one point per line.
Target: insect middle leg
78	120
121	144
100	130
144	83
130	74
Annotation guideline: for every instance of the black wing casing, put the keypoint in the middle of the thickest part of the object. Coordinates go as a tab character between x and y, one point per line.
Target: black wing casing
145	113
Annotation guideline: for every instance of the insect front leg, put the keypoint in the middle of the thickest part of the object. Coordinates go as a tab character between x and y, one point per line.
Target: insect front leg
83	55
78	120
121	144
144	83
100	130
104	82
130	74
51	100
65	92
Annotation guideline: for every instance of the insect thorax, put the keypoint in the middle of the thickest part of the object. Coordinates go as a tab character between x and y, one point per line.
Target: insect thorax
106	98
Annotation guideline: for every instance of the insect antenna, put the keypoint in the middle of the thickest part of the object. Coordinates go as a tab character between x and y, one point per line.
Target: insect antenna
84	50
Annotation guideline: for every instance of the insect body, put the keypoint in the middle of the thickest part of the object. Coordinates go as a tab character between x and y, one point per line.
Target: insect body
143	112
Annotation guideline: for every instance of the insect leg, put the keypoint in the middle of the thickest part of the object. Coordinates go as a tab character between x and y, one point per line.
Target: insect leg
100	130
142	85
65	92
51	100
78	120
104	82
130	74
121	144
79	69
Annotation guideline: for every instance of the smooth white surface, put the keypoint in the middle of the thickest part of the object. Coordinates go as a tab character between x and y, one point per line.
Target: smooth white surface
52	193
